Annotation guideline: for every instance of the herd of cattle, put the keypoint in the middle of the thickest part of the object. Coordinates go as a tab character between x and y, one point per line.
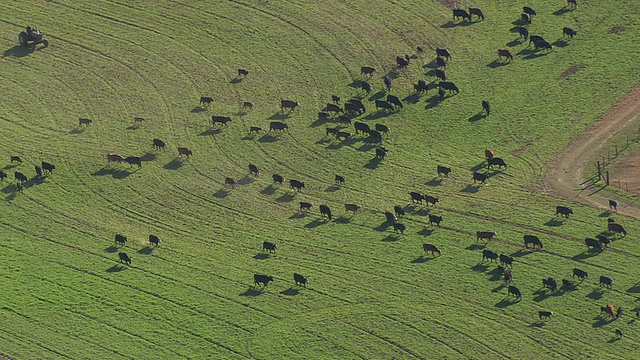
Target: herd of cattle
41	170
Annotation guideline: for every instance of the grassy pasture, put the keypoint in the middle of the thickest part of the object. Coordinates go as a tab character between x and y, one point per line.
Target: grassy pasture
372	294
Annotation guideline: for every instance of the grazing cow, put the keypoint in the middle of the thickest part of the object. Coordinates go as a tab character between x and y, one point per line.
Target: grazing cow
339	179
133	160
184	151
613	205
16	159
568	32
361	127
352	207
581	274
247	105
289	105
480	177
395	101
231	182
220	119
616	228
477	12
497	161
443	170
334	108
398	210
534	39
381	153
431	200
367	70
485	235
365	86
20	177
159	144
486	106
573	3
255	129
114	158
204	100
120	239
300	280
401	62
391	217
138	120
264	280
332	131
460	13
278	126
533	240
154	240
343	135
38	171
296	185
375	135
544	314
619	333
506	260
563	210
592	243
381	104
608	310
506	53
416	197
3	175
267	246
542	45
84	121
277	178
435	219
444	52
488	154
421	86
515	291
399	227
46	167
489	255
305	206
441	93
354	107
447	85
243	72
430	247
608	282
603	240
526	18
124	258
335	99
440	74
529	11
508	275
324	210
254	170
441	62
524	33
383	128
550	283
387	82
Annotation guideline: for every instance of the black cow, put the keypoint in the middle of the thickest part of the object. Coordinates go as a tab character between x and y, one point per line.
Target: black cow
205	100
120	239
421	86
515	291
159	144
440	74
289	105
365	86
344	119
568	284
259	279
441	93
486	106
544	314
550	283
243	72
542	45
332	131
568	32
342	135
402	63
19	187
533	240
296	185
268	246
613	205
395	101
248	105
85	121
375	135
506	260
300	280
46	167
508	275
399	227
619	333
355	107
479	177
381	104
534	39
416	197
277	178
361	127
278	126
489	255
603	240
444	52
391	217
447	85
254	170
20	177
387	82
3	175
524	33
305	206
335	99
497	161
608	282
382	128
441	62
124	258
435	219
431	200
231	182
38	171
593	244
616	228
398	210
485	235
133	160
526	18
367	70
381	153
573	3
444	170
324	210
460	13
339	179
323	115
563	210
154	240
529	11
333	108
220	119
581	274
352	207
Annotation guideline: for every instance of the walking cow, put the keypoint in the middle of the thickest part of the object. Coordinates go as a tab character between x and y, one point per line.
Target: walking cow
581	274
184	151
608	282
288	105
485	235
533	240
159	144
124	258
515	291
435	219
430	247
268	246
616	228
443	170
352	207
486	106
154	240
300	280
505	53
563	210
477	12
262	280
278	126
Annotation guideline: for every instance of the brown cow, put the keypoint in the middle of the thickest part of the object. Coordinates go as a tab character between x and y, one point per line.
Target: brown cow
477	12
114	158
506	53
184	151
488	154
430	247
352	207
616	228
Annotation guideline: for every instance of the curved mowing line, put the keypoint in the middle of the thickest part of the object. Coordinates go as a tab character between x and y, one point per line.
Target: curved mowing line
384	339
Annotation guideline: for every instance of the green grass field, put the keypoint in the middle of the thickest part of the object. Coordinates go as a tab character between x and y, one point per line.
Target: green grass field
372	294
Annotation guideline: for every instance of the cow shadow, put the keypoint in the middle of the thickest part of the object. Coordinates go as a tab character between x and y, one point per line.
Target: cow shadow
133	127
471	189
373	163
596	294
174	164
560	43
76	131
513	43
534	55
380	114
434	182
541	295
496	274
391	238
9	189
314	223
634	289
111	249
521	253
422	259
506	302
452	24
245	180
600	322
554	222
197	109
474	247
384	226
279	116
235	80
480	267
269	190
332	188
499	287
285	198
497	63
148	157
116	174
350	141
525	52
432	102
584	255
613	340
221	194
378	95
343	220
537	324
261	256
292	291
368	146
412	99
211	132
319	122
251	292
298	215
266	138
116	268
605	214
479	116
426	232
562	11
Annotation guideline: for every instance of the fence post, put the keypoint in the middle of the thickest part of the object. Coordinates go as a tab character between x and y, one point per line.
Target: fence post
599	173
607	177
618	183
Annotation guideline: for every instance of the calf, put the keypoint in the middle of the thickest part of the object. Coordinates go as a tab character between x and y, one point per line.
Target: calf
544	314
399	227
608	282
264	280
435	219
563	210
480	177
121	240
243	72
277	178
183	151
568	32
300	280
159	144
443	170
154	240
325	211
339	179
430	247
485	235
204	100
247	105
305	206
124	258
489	255
581	274
352	207
254	170
268	246
84	121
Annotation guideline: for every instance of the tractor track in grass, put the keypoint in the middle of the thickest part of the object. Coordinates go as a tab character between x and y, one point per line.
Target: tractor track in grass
566	176
412	327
